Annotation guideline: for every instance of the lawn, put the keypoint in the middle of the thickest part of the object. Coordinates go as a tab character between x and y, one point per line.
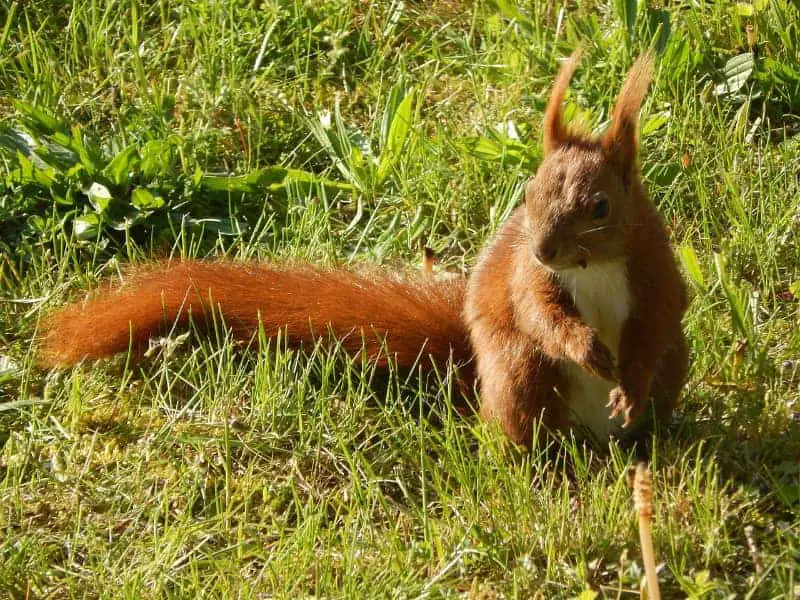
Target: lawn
351	132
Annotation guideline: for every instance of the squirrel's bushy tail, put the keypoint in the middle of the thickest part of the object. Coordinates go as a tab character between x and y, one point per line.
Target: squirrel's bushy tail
404	318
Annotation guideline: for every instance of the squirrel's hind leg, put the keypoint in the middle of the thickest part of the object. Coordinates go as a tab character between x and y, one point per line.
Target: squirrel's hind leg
517	387
669	379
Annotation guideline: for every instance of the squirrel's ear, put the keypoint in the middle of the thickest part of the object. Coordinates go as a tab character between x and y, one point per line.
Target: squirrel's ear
619	142
555	134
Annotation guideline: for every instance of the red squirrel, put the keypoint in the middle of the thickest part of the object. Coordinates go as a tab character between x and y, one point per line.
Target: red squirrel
572	315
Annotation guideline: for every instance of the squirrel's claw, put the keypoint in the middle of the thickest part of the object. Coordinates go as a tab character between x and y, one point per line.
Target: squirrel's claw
598	360
621	404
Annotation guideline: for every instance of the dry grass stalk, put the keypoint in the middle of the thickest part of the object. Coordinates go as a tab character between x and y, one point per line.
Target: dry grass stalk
643	502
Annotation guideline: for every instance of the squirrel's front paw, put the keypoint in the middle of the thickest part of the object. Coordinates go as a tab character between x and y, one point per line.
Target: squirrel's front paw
595	357
622	403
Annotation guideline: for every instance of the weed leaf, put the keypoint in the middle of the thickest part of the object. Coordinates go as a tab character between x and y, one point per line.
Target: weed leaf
737	71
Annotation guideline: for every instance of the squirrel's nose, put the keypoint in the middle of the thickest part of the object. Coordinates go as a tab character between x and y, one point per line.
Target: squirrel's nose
545	253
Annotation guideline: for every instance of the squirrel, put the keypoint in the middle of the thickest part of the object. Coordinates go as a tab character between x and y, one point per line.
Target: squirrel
571	317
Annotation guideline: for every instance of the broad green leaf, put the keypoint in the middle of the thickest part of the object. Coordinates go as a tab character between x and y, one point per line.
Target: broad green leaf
60	158
401	123
783	71
89	155
122	166
269	178
659	25
357	161
26	170
692	267
64	147
626	11
99	197
260	179
86	227
361	142
143	199
676	56
396	139
299	176
33	170
67	198
125	217
45	177
655	122
39	120
737	71
510	10
396	96
226	183
16	140
158	157
336	147
495	147
76	171
484	148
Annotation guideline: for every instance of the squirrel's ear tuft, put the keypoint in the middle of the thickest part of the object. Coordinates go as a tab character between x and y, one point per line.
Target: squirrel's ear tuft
619	142
555	133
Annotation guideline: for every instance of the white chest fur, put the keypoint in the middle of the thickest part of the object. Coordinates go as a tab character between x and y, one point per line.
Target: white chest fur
602	297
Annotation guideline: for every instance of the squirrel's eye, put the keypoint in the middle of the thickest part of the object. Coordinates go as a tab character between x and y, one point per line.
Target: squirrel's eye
600	207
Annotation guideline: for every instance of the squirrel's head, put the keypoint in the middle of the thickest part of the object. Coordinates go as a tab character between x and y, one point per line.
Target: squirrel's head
581	203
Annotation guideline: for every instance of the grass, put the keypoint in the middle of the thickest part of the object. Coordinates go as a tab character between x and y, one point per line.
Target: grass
209	471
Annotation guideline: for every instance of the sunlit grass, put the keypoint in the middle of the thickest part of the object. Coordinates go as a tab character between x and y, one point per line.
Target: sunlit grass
210	470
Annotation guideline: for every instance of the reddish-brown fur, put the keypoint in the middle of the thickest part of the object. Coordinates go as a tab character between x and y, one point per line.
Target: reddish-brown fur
411	317
515	315
523	322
